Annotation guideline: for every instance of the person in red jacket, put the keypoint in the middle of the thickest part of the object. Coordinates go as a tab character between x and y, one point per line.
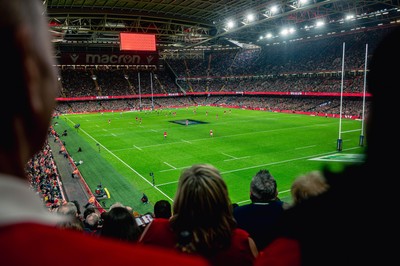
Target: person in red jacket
28	231
75	173
202	222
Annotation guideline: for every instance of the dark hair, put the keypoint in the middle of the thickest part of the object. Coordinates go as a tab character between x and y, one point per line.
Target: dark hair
119	223
382	82
88	211
162	209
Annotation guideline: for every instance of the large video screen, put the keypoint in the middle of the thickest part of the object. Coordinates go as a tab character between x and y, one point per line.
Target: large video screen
137	42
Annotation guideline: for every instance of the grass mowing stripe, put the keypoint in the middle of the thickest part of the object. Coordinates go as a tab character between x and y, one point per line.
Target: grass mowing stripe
284	143
133	170
284	161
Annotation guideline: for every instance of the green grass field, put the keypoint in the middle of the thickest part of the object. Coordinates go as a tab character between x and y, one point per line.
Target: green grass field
121	154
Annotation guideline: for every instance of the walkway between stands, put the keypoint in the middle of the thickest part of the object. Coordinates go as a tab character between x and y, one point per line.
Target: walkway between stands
73	187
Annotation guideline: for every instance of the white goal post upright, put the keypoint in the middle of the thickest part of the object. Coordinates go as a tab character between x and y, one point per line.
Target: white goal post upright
151	87
361	143
140	94
141	105
339	140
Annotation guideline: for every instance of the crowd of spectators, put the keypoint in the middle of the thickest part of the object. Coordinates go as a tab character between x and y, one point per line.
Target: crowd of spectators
329	81
44	177
299	67
351	106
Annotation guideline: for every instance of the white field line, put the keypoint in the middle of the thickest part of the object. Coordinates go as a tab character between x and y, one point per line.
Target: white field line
263	165
305	147
233	157
239	158
348	131
127	165
170	165
208	137
233	135
226	172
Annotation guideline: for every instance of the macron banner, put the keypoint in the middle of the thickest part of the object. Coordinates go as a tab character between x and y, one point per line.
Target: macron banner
142	59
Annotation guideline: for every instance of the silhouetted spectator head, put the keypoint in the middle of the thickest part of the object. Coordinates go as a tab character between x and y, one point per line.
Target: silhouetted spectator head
162	209
35	87
119	223
383	83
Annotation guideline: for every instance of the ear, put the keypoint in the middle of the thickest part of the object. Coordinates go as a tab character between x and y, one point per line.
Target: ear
251	197
35	109
31	70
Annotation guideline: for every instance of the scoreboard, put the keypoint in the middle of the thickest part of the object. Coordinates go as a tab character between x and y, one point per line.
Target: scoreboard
137	42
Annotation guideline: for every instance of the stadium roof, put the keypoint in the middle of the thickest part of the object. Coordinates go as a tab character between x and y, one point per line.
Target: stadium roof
192	24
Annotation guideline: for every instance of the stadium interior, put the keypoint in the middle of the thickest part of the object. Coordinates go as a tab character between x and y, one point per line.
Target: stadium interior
284	56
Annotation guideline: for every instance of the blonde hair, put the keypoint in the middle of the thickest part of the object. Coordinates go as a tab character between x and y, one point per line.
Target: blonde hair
202	210
308	185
